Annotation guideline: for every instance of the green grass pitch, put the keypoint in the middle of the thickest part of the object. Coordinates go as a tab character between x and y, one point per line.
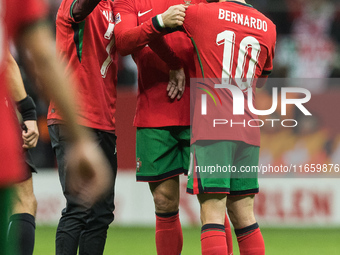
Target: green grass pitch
140	241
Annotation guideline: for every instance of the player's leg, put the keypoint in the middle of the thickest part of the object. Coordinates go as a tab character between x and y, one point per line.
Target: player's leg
213	238
93	237
21	228
241	213
228	235
159	162
168	236
240	203
73	219
165	195
211	181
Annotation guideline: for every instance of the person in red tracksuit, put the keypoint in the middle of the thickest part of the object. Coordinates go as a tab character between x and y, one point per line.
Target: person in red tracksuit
85	42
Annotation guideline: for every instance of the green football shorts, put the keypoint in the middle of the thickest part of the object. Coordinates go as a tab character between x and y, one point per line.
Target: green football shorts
162	153
228	167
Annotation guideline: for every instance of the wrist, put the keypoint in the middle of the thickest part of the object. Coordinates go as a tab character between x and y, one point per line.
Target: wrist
27	109
156	23
175	64
160	20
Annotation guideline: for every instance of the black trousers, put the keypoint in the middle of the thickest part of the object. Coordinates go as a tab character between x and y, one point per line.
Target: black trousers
80	227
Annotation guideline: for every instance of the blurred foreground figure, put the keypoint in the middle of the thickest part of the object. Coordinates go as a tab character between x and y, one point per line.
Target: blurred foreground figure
88	171
21	227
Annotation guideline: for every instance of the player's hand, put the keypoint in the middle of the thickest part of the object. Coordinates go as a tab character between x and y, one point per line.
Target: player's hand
30	135
176	84
174	16
89	176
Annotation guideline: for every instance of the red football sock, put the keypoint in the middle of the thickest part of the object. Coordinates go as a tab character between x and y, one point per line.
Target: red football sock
169	237
250	240
228	235
213	240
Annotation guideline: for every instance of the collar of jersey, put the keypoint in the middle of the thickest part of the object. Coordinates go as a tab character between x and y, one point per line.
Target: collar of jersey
245	4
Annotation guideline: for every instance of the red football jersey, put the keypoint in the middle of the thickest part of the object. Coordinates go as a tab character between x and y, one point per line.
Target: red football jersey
154	107
14	16
235	43
89	51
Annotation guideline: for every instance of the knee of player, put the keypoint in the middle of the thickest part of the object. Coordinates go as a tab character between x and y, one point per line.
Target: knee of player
233	218
34	202
164	203
28	201
31	204
241	220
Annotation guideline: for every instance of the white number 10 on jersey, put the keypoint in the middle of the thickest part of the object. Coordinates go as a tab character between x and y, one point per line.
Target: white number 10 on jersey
228	39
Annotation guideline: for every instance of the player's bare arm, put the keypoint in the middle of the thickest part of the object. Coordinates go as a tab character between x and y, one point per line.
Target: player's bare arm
261	81
25	104
89	172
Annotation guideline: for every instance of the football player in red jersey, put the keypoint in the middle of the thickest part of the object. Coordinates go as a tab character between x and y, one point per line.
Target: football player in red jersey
86	43
21	227
21	21
237	45
163	132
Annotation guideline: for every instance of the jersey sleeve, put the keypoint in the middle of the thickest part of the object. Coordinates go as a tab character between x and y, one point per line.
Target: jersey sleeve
129	36
190	21
65	10
268	67
166	53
